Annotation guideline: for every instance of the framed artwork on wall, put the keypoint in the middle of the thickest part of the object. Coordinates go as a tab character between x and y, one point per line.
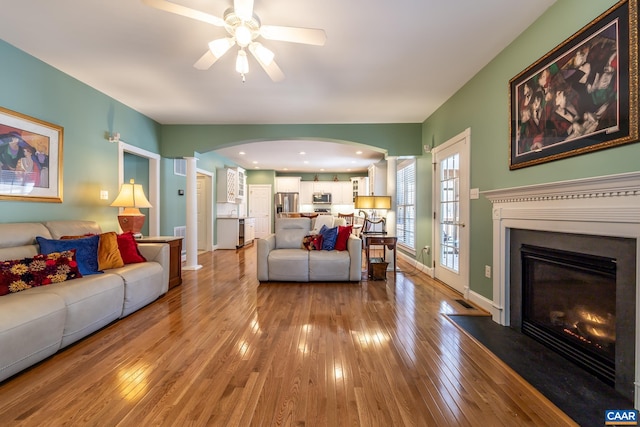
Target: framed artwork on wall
30	159
580	97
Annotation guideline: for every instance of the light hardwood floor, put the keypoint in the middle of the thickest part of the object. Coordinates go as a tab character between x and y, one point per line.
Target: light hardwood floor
225	350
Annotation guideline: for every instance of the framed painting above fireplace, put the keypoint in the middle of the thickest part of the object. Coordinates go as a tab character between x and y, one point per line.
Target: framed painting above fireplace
580	97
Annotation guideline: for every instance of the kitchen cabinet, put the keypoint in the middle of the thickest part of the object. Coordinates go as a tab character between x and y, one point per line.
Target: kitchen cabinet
231	185
323	187
234	233
249	230
359	187
378	178
345	191
226	185
306	192
288	184
241	183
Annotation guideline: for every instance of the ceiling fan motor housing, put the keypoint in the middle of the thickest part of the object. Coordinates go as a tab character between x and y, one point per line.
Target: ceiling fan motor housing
233	22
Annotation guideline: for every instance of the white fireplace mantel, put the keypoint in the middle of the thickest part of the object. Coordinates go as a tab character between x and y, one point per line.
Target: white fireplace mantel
600	206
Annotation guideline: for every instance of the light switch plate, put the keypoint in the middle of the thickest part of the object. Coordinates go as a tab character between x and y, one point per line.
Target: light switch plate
474	193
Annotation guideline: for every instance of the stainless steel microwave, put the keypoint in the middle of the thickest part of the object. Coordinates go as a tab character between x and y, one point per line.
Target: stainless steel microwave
322	198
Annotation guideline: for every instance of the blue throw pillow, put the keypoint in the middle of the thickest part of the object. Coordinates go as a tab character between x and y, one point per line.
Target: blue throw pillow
329	237
86	251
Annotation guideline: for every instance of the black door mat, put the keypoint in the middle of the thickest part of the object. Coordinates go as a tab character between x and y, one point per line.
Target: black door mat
579	394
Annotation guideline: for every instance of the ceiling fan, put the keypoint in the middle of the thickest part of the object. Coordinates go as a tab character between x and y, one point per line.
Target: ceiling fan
244	27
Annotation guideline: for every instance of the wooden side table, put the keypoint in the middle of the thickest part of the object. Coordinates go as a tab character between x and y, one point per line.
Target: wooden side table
175	256
380	240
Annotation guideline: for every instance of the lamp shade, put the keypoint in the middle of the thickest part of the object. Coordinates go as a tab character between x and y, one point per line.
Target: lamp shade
131	196
373	202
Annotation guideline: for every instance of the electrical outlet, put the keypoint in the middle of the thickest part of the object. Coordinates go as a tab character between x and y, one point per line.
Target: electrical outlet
427	249
487	271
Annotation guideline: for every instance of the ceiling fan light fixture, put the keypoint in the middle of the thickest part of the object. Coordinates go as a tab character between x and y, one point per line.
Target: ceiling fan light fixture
243	35
242	64
220	46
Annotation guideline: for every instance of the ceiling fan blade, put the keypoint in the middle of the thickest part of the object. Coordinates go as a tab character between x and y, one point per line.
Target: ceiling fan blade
313	36
206	61
167	6
243	8
265	58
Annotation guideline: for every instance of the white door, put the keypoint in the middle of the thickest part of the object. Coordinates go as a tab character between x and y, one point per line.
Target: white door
451	212
260	208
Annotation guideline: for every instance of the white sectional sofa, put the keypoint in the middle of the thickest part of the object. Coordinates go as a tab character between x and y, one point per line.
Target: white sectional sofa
37	322
281	256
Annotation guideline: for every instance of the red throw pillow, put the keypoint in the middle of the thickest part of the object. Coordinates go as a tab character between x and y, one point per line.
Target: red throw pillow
128	248
343	237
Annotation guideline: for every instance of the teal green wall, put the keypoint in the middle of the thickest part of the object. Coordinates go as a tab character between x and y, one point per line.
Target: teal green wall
396	138
482	105
90	162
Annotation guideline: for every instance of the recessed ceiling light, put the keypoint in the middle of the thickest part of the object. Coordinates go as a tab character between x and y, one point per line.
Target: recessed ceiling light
302	153
242	153
358	152
306	162
255	162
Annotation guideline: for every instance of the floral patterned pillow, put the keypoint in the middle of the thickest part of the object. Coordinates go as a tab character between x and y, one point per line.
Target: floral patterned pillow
312	242
41	270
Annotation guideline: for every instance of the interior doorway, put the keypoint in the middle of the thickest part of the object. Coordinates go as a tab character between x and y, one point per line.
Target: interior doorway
204	198
153	218
451	212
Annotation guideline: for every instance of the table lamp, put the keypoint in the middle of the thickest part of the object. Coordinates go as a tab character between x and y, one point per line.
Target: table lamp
372	203
131	198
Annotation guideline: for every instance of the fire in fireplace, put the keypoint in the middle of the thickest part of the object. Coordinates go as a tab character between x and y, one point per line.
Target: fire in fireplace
569	304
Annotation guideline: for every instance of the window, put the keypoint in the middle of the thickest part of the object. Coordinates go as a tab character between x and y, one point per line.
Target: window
180	167
406	203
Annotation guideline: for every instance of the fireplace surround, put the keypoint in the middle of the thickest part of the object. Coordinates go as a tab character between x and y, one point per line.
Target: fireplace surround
599	209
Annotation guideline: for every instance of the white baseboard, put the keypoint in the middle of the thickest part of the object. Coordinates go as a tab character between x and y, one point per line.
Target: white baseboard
417	265
482	302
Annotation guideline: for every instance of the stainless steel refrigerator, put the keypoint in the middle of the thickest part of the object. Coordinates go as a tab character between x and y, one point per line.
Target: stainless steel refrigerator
286	202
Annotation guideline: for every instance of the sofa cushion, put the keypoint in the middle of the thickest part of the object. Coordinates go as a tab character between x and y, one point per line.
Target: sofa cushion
290	238
321	221
31	326
41	270
289	264
329	237
128	248
142	285
86	251
329	265
92	302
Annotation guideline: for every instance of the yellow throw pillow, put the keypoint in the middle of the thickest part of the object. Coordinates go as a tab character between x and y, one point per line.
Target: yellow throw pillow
108	252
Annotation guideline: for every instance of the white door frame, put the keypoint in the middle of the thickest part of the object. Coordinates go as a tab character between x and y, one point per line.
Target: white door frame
463	140
209	186
154	181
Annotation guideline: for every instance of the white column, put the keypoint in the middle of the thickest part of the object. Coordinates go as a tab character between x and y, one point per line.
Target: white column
392	166
191	240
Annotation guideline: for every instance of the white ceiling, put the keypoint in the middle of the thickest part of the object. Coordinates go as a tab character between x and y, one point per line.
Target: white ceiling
383	62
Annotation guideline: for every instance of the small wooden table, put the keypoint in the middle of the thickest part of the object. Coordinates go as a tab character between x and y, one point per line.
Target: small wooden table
379	240
175	256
